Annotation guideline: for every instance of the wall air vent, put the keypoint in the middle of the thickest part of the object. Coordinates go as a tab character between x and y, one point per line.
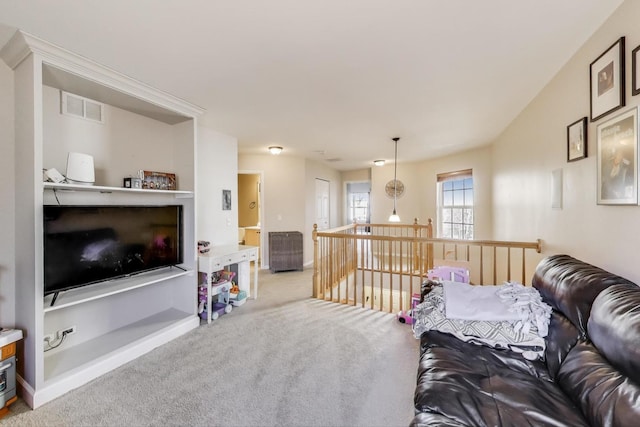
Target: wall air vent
84	108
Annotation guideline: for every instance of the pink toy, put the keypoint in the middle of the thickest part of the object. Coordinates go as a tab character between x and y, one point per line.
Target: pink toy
404	316
443	272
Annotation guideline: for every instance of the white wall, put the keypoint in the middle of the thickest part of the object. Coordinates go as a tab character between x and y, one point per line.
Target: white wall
284	193
535	144
7	192
480	161
420	197
125	143
217	158
407	205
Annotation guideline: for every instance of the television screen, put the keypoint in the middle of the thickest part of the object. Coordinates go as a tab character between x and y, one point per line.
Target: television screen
91	244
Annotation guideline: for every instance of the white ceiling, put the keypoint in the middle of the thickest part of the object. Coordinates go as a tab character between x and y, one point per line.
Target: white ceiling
331	79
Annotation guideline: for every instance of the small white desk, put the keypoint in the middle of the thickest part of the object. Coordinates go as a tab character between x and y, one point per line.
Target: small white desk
219	257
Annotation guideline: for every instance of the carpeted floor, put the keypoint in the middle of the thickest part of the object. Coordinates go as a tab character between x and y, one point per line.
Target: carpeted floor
284	359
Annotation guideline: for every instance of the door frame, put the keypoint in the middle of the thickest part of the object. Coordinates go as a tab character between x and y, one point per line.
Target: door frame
262	208
328	200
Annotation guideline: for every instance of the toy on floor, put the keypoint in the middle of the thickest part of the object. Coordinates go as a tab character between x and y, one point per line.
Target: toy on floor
220	289
404	316
220	308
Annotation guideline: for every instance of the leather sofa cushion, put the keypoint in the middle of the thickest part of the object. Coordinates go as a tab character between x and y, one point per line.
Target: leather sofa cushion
606	396
570	286
614	328
428	419
560	340
476	385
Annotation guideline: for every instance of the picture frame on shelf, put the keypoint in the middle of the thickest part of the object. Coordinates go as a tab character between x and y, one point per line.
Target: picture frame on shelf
617	159
577	140
607	81
635	71
134	183
152	180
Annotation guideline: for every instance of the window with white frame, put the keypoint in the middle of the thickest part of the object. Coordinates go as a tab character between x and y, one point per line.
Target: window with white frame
359	207
358	202
455	205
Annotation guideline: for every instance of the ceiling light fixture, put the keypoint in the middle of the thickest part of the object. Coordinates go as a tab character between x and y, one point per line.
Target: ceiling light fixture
275	150
378	162
394	216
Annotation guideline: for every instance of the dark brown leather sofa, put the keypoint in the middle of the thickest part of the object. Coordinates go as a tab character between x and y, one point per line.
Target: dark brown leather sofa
590	375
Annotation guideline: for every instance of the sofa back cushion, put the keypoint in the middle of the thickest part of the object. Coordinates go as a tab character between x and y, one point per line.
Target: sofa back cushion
570	286
560	340
614	328
606	396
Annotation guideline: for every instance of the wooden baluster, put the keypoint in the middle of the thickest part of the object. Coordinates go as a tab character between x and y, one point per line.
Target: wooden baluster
508	264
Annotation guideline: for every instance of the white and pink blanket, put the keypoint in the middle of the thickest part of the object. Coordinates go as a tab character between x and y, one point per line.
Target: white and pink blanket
506	316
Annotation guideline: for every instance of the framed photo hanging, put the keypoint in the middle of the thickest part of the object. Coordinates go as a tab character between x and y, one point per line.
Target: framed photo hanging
617	159
226	200
607	81
635	71
577	140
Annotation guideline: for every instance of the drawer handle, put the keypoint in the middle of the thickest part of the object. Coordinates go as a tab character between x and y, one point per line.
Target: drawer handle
5	367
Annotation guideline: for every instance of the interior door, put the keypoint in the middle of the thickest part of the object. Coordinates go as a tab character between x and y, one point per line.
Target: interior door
322	204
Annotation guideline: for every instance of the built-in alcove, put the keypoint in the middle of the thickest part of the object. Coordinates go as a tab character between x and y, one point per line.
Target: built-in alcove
143	128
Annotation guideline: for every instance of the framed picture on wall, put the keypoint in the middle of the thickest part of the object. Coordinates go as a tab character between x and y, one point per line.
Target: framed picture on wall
577	140
617	159
607	81
635	71
226	200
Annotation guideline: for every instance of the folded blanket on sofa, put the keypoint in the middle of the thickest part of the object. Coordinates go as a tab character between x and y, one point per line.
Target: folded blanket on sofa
470	302
510	301
522	335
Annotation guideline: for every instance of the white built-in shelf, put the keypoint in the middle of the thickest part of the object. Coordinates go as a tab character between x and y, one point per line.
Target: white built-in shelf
65	363
104	289
103	189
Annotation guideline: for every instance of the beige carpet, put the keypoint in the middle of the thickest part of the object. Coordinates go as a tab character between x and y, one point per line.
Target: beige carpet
284	359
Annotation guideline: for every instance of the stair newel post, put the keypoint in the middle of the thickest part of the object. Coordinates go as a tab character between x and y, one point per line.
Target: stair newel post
314	235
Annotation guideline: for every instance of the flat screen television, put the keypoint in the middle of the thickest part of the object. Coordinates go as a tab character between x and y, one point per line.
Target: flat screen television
86	245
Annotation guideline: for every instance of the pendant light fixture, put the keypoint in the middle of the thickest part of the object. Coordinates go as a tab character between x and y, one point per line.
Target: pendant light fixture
394	216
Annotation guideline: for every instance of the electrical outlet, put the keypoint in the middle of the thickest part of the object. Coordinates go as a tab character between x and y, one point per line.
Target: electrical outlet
68	331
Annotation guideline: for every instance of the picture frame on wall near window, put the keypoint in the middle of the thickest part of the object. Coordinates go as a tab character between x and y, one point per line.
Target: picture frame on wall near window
577	140
635	71
607	81
617	159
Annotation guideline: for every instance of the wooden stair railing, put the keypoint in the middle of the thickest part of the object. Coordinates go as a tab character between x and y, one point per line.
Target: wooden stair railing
382	265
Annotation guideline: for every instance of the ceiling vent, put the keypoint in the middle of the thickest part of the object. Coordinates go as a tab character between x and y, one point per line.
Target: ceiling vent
84	108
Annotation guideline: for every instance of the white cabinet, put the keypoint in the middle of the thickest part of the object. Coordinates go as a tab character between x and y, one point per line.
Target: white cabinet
143	128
